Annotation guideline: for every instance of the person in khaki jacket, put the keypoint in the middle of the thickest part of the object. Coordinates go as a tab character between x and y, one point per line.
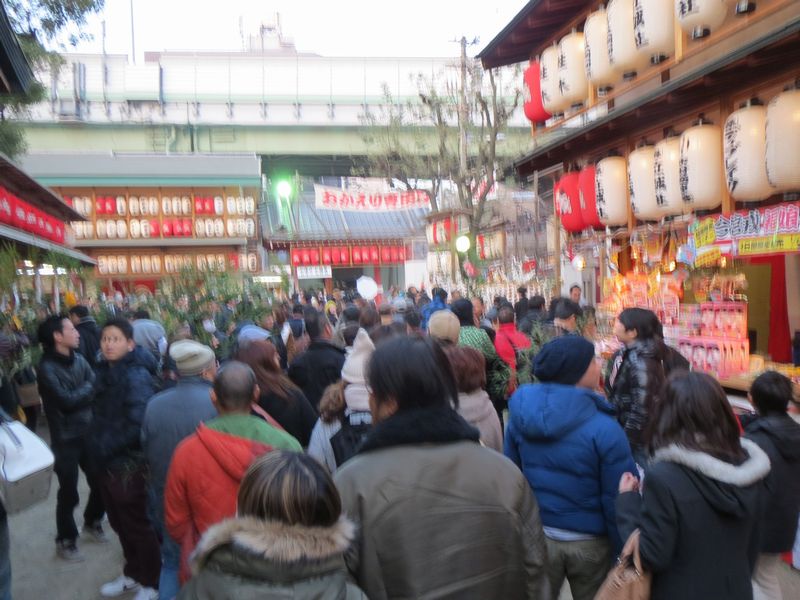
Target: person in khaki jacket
438	515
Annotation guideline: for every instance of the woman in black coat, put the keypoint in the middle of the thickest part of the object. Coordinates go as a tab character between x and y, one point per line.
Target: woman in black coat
699	514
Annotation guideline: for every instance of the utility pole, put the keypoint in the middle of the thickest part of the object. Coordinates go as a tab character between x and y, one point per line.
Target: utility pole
462	110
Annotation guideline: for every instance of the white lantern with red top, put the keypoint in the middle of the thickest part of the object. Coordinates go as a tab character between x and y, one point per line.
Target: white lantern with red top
745	140
532	93
699	18
567	202
702	166
641	175
622	40
611	191
552	99
654	29
783	140
571	69
667	174
601	73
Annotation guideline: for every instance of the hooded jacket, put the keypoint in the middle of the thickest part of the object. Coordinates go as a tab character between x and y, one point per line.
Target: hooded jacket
249	559
779	437
439	516
478	410
572	452
205	473
66	386
699	519
89	343
317	368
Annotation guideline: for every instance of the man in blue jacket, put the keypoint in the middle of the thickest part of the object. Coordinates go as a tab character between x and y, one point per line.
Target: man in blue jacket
565	438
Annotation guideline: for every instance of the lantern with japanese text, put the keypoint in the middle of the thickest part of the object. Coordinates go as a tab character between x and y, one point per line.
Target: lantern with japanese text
622	40
111	229
326	255
571	69
667	174
110	205
208	205
297	259
394	252
586	192
552	99
356	255
699	18
314	256
701	166
100	206
305	256
568	204
601	73
344	255
122	229
374	255
611	191
186	227
336	255
386	254
745	140
642	181
532	92
402	253
177	228
166	228
654	29
783	140
198	205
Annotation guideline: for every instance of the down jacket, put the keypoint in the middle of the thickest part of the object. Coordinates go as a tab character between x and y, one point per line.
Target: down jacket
66	386
249	559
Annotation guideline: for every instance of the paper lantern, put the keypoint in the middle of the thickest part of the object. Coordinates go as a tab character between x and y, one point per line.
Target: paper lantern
297	259
155	229
250	228
586	194
122	206
599	70
110	205
133	206
666	170
572	70
100	206
744	145
305	256
374	255
568	204
344	255
699	18
327	257
186	227
209	227
402	253
621	39
532	94
177	228
166	228
552	99
186	205
356	255
611	191
314	256
394	253
386	254
249	205
219	228
642	182
208	206
198	205
654	29
122	229
335	255
219	205
783	140
176	206
701	166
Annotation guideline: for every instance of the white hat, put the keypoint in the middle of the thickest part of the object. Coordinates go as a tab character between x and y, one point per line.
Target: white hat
191	358
355	364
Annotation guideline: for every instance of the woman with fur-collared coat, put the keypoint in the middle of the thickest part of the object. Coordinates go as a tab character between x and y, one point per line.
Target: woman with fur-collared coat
288	540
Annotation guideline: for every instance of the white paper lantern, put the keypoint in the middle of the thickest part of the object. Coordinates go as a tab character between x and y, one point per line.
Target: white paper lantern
571	70
219	205
231	204
621	39
112	264
155	263
230	227
641	177
654	29
133	204
783	141
122	205
599	70
745	143
611	188
166	207
136	229
249	205
176	205
219	228
702	166
552	99
146	229
122	264
122	229
186	205
699	18
667	173
209	228
136	264
102	230
250	228
144	206
200	228
154	204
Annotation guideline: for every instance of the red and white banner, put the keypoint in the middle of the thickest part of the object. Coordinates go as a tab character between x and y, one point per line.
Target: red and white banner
331	198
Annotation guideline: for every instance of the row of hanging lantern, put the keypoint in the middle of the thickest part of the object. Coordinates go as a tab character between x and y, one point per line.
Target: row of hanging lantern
616	43
343	255
755	156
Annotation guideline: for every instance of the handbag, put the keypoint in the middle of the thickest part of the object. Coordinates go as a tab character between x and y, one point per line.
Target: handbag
627	580
28	394
26	466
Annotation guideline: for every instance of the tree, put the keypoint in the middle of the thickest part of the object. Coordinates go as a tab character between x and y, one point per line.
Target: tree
39	25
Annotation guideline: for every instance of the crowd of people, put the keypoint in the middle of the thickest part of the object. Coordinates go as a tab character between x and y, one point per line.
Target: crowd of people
423	447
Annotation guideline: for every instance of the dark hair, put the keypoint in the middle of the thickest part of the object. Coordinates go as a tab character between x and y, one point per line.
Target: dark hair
381	333
315	322
413	318
439	293
505	314
536	302
297	309
234	385
551	310
141	314
566	308
351	313
122	324
694	412
260	355
385	309
414	372
771	392
80	311
644	321
469	367
369	318
462	308
47	330
573	286
349	333
289	487
522	291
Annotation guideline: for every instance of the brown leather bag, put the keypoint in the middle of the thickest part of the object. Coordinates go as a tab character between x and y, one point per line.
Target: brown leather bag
627	580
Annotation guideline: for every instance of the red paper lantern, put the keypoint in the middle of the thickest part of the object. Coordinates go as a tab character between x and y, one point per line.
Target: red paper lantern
154	228
296	258
356	255
370	254
68	200
208	206
386	254
326	256
568	205
177	228
402	253
314	256
344	255
166	228
110	205
532	92
305	255
588	202
186	227
394	251
100	206
198	206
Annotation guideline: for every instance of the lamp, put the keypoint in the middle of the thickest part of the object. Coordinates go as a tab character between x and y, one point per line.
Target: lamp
462	244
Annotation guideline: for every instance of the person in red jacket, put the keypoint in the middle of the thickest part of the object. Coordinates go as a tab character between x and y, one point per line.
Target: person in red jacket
508	341
207	467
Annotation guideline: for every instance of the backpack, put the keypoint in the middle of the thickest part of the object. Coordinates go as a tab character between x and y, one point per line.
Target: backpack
26	466
346	442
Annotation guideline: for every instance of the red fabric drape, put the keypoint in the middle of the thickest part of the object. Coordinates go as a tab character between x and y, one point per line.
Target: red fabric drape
780	339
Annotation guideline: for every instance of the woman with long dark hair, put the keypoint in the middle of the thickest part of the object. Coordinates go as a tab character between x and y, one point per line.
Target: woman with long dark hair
702	499
281	398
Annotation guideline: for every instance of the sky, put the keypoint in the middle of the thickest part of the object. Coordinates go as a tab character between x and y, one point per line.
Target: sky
326	27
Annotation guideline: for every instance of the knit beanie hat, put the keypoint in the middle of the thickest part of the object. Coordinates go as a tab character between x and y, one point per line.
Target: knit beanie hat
355	364
191	358
563	360
444	325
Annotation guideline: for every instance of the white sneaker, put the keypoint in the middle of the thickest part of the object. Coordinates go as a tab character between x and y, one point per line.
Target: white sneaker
118	587
146	593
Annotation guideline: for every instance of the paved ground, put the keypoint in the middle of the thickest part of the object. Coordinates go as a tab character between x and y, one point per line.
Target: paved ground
38	575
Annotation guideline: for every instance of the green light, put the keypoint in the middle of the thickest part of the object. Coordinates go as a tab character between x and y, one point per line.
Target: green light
284	188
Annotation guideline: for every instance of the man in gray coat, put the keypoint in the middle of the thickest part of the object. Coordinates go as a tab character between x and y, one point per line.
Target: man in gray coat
171	416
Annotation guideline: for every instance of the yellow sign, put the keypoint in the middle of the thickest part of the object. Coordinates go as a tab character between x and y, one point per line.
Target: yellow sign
708	259
787	242
704	234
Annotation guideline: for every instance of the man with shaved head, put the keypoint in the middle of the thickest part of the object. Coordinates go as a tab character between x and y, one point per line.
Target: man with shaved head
207	467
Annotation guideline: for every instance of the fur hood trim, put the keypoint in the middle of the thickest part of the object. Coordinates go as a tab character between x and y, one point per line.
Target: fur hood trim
276	541
754	469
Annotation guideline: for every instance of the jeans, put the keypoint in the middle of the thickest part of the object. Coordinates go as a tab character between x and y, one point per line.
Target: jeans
5	557
584	564
168	585
765	578
125	497
69	456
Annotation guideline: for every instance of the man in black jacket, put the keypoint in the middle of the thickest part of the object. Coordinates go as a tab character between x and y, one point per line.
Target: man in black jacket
89	344
66	387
